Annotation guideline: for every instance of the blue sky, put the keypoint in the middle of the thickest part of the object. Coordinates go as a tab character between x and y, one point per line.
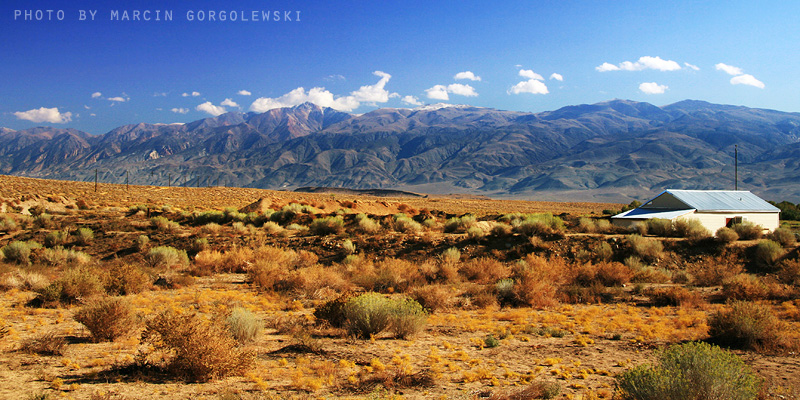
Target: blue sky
359	55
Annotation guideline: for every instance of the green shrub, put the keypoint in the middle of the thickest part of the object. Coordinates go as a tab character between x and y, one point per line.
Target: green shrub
162	224
490	341
124	279
327	226
367	224
693	370
460	224
404	223
199	349
371	313
368	314
659	226
647	248
288	212
538	224
745	325
55	238
407	317
76	284
744	287
603	225
43	221
348	247
18	252
199	245
451	255
783	236
209	217
501	230
83	236
58	256
244	325
768	253
748	230
726	235
603	251
272	228
475	233
166	257
586	225
691	229
7	224
107	318
141	242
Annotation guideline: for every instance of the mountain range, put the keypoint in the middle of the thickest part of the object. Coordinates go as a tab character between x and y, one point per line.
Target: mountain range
616	150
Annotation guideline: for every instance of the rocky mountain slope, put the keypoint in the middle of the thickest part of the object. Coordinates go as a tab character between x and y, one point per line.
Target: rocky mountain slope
612	151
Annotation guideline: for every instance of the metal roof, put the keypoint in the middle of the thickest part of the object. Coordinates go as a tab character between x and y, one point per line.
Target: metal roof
644	213
721	200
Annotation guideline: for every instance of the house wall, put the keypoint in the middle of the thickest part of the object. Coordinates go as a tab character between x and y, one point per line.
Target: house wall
714	221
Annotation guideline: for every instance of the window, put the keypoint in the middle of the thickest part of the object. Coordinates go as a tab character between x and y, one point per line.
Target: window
732	221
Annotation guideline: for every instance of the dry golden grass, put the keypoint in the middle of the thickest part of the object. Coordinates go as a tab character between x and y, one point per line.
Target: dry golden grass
497	327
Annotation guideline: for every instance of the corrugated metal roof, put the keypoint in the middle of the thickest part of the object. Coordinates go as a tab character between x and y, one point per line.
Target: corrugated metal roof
722	200
644	213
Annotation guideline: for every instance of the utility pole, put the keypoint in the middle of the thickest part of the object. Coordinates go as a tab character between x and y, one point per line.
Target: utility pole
736	167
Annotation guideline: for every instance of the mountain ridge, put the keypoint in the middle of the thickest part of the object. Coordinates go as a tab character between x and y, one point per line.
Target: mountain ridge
612	150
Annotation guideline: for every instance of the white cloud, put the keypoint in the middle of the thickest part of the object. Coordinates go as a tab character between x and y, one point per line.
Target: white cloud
229	103
692	66
438	92
461	90
412	100
243	93
527	73
87	107
534	86
652	88
92	115
180	110
210	108
96	95
441	92
193	94
729	69
372	94
556	76
184	94
160	94
646	62
467	75
42	114
747	79
117	99
336	77
605	67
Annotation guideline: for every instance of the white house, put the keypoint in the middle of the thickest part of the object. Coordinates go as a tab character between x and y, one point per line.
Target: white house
713	208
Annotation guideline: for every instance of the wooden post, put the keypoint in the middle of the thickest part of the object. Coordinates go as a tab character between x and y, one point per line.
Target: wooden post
95	180
127	186
169	179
